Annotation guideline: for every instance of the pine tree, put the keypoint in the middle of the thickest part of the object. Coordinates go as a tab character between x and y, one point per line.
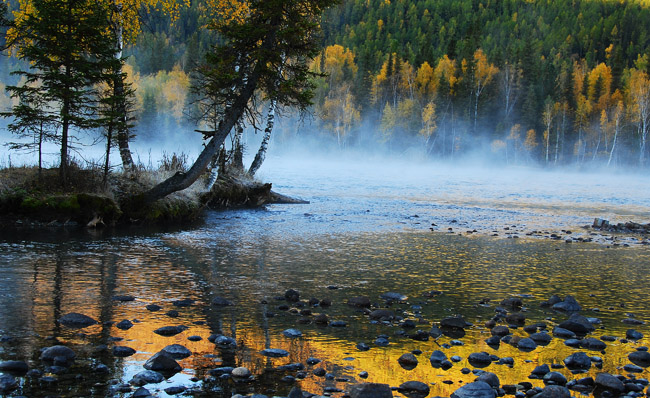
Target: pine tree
69	52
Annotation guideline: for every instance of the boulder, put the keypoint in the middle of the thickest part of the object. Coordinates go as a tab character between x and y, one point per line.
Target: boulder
124	325
591	343
8	383
512	303
437	357
526	344
541	338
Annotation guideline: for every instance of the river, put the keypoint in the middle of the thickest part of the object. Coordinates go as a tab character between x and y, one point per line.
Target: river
473	236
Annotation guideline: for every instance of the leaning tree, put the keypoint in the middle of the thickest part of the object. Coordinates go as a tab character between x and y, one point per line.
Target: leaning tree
265	56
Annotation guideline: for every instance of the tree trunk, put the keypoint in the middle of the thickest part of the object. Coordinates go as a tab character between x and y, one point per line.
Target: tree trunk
180	181
109	138
261	153
237	162
118	89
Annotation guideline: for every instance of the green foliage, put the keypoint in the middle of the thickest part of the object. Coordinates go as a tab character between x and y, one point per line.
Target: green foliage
70	53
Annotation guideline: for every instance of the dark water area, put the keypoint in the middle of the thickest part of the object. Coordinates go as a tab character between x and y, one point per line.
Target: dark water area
365	239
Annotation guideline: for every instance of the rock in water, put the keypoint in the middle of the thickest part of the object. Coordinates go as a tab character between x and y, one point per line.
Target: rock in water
392	296
292	295
414	389
292	333
554	392
17	367
8	383
221	302
76	320
124	324
161	362
274	353
371	390
608	382
58	352
477	389
177	351
146	377
641	358
122	351
360	302
169	330
578	361
241	373
568	305
457	322
578	324
408	361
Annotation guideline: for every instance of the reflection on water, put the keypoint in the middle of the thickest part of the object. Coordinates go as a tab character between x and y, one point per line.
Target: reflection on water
366	232
40	281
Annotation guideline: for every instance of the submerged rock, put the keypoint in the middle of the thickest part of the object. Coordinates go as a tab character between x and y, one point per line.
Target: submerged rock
393	296
569	304
292	333
76	320
359	302
221	302
57	352
18	367
147	377
8	383
274	353
170	330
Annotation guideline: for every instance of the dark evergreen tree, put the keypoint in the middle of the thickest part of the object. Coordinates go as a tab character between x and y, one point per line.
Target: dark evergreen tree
70	52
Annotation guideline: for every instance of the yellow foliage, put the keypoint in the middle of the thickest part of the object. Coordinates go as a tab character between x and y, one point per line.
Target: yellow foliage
425	81
498	146
600	78
446	71
531	140
429	125
336	59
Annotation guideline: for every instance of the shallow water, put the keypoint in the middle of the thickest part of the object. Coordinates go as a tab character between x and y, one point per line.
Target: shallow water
366	232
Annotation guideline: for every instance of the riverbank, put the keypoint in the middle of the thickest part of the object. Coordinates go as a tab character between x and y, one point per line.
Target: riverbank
29	198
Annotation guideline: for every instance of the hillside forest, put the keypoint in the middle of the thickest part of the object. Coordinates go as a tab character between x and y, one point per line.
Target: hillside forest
549	82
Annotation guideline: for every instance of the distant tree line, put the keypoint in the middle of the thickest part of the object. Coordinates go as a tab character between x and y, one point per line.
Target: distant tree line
554	81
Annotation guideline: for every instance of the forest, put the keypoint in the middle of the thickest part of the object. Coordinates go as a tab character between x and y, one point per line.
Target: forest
551	82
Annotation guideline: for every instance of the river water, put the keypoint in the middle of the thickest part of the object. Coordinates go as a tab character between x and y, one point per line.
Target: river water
371	228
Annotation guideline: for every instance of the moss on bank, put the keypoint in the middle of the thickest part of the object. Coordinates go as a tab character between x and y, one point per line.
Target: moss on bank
27	198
